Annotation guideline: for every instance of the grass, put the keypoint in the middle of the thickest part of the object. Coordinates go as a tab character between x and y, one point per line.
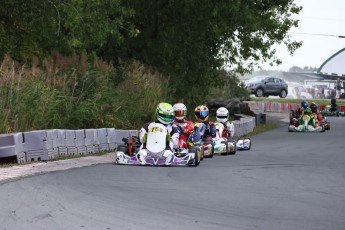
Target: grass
263	128
284	100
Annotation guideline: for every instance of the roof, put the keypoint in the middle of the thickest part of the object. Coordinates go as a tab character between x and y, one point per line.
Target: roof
334	65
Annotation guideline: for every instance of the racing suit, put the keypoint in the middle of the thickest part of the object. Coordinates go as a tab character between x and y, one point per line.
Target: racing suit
334	108
185	128
210	131
229	130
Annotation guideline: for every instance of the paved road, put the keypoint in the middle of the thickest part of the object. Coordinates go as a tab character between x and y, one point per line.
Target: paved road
287	181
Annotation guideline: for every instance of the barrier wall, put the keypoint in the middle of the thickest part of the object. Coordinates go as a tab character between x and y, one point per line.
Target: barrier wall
44	145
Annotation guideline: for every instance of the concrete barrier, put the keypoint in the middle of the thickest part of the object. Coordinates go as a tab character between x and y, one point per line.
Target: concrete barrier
44	145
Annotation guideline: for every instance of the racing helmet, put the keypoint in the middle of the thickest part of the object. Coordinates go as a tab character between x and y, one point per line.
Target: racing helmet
201	113
222	114
180	111
313	107
304	104
165	113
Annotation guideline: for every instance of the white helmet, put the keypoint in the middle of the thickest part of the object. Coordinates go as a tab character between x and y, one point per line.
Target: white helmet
180	111
222	114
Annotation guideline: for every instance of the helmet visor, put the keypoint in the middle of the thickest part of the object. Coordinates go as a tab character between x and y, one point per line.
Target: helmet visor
180	113
202	114
222	117
166	117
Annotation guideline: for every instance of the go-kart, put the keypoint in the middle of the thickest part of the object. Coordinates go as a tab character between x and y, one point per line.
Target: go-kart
321	120
306	123
223	145
197	139
244	143
154	150
331	113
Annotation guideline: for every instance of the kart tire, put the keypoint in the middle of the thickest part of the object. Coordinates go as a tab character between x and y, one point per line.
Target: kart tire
233	152
227	151
212	152
323	128
196	157
201	149
122	148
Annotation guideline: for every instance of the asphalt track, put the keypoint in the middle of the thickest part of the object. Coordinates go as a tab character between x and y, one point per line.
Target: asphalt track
287	181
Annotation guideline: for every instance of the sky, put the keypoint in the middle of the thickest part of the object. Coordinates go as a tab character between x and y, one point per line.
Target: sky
319	21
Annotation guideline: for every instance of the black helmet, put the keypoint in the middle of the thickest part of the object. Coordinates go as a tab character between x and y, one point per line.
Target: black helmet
313	107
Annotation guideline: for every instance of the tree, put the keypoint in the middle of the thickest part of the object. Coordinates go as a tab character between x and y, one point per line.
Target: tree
192	40
30	27
189	41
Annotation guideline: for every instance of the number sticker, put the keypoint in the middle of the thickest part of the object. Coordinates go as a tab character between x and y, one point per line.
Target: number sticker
156	130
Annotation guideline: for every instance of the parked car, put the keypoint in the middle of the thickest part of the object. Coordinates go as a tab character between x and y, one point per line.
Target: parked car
297	90
263	86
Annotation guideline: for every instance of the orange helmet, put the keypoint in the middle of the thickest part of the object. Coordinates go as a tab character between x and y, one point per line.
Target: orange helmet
201	113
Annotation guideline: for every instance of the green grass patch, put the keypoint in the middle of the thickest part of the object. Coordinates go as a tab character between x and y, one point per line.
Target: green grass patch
263	128
285	100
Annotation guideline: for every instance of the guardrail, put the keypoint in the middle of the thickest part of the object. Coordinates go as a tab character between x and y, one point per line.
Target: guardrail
44	145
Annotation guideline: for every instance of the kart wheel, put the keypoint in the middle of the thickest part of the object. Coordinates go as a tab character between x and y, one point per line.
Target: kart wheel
234	152
122	148
212	151
323	128
196	157
200	149
227	151
289	129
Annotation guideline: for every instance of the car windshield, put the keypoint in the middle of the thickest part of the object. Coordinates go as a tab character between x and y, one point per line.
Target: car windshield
256	79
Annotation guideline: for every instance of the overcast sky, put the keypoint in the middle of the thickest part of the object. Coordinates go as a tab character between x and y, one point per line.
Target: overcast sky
317	17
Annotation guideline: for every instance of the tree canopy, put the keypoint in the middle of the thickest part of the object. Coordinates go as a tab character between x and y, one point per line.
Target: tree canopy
189	41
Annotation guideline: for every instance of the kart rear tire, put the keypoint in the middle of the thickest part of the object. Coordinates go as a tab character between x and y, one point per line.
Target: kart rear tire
122	148
323	128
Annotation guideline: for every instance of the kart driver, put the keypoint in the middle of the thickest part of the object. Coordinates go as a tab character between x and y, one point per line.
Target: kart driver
180	112
165	116
304	106
334	107
315	112
222	115
184	126
201	113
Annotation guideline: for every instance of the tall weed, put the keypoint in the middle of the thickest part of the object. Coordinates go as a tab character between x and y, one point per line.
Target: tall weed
71	93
